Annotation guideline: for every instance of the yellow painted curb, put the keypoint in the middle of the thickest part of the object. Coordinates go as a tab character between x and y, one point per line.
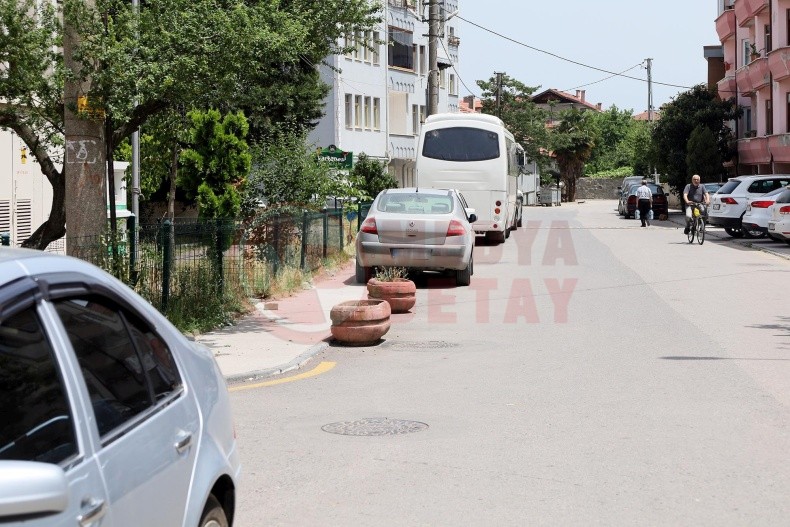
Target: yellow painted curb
318	370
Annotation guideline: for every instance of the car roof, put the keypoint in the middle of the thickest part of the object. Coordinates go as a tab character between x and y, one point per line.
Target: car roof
418	190
18	263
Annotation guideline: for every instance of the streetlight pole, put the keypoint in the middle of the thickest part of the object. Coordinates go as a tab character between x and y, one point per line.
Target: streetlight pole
433	61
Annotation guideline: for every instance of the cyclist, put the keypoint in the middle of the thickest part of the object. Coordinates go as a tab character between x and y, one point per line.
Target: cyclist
694	192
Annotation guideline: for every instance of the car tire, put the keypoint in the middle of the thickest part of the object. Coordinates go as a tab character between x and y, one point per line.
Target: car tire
520	222
774	238
363	274
735	233
464	276
213	514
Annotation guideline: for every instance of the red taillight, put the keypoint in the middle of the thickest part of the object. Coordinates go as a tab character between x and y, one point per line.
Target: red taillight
498	203
456	228
784	210
369	226
729	201
761	204
497	211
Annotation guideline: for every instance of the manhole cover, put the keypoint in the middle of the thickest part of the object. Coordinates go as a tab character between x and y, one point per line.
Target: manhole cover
374	426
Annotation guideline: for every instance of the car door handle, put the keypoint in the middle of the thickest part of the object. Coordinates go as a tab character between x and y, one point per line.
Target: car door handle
96	509
183	443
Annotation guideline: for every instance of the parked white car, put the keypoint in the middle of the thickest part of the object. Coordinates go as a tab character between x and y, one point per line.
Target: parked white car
779	224
758	213
728	205
110	416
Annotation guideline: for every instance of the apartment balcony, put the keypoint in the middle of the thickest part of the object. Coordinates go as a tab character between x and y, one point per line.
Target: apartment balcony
779	63
759	74
727	88
747	10
452	40
725	24
779	146
744	83
753	151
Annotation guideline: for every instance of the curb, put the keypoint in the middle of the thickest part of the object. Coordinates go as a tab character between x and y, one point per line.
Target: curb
295	364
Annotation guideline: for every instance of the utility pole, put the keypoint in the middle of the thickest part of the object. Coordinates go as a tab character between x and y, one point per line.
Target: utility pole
136	168
649	90
433	61
499	93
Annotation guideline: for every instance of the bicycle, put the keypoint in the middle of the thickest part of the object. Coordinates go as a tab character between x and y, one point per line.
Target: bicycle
698	221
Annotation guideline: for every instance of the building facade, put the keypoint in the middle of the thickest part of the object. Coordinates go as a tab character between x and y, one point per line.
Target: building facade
379	91
755	39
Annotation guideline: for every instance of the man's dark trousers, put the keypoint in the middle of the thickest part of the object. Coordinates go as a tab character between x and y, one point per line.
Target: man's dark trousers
644	210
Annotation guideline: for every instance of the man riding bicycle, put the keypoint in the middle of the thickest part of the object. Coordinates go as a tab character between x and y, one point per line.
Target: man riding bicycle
694	194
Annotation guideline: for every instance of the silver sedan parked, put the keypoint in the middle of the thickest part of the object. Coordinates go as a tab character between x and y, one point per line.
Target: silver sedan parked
419	229
109	416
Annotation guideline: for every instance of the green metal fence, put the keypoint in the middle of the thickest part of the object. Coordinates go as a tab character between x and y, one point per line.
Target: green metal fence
192	265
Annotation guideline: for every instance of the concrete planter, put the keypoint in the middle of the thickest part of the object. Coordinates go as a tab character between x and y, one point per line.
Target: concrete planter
399	293
360	322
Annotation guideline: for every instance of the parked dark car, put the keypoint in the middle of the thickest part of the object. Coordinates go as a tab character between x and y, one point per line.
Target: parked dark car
660	203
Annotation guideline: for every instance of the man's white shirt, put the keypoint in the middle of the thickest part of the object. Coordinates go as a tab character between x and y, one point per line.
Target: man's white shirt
644	192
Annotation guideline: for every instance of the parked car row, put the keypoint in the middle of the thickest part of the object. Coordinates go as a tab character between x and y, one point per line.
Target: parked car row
627	204
779	222
730	203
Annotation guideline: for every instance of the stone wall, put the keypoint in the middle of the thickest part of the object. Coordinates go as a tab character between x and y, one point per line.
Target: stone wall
597	188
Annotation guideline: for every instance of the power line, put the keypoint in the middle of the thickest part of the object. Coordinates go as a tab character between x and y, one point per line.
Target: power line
452	64
604	79
566	59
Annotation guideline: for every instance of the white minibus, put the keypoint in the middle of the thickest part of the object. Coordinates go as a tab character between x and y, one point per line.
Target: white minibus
477	155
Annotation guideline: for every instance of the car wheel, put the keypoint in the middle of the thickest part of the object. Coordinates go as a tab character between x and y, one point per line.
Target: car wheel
363	274
735	233
464	276
774	238
213	514
520	221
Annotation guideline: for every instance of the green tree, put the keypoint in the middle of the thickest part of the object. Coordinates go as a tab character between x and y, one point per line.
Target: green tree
698	107
703	156
373	176
256	55
572	142
612	149
215	166
525	120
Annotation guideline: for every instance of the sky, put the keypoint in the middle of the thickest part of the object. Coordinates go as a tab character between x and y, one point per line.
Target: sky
612	35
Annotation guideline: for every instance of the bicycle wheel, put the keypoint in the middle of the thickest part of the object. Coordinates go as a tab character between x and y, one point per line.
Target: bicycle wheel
701	231
692	230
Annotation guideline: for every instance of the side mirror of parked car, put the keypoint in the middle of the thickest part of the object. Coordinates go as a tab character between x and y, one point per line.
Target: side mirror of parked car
31	489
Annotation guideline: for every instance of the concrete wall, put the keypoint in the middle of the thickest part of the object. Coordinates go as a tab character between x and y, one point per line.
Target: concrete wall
597	188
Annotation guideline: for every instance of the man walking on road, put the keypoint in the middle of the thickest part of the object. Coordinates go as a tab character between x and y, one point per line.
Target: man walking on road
694	193
645	202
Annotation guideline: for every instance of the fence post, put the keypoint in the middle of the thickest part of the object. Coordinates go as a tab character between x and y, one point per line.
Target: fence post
167	262
304	240
276	262
326	230
218	245
340	222
131	230
359	216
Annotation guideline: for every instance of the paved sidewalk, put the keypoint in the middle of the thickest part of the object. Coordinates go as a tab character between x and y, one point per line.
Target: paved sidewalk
281	335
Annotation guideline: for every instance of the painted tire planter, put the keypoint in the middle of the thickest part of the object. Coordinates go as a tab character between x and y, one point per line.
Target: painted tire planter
360	322
400	293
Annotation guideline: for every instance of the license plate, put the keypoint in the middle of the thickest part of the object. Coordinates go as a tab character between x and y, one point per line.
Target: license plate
772	226
716	206
411	254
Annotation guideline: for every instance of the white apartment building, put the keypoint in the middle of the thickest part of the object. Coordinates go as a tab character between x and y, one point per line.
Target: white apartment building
378	97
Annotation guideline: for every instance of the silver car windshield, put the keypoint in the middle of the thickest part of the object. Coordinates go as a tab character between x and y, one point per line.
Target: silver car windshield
416	203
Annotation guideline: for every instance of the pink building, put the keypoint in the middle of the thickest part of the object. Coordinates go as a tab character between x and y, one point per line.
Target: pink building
755	38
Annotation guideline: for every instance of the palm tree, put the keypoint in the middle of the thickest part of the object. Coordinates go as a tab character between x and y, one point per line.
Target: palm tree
572	142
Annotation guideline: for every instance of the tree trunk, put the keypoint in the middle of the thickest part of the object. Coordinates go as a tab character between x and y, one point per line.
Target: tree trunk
84	167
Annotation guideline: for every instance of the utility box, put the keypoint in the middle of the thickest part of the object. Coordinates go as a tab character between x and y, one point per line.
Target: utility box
550	196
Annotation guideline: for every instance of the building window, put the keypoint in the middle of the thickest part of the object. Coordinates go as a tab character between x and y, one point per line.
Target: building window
453	85
787	28
415	119
747	52
348	42
376	113
349	111
358	111
442	79
399	51
768	43
747	120
375	43
423	62
769	117
359	51
368	110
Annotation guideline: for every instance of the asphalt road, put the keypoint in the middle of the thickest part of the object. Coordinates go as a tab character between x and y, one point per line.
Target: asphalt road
594	373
